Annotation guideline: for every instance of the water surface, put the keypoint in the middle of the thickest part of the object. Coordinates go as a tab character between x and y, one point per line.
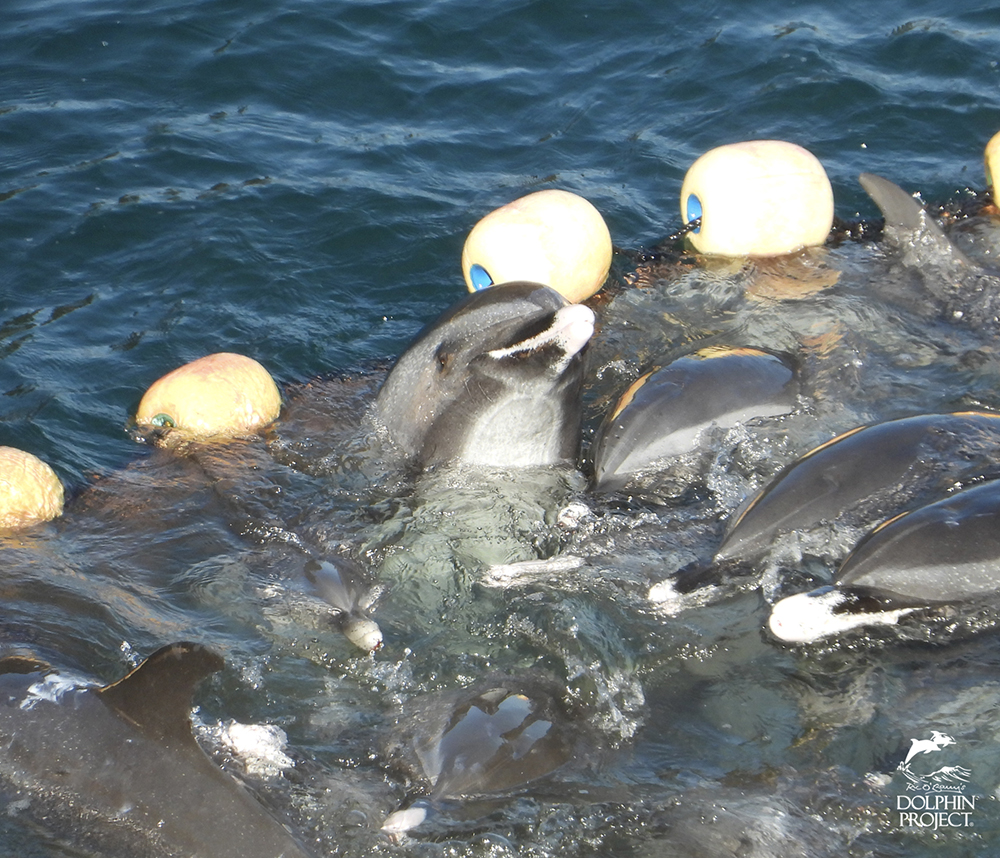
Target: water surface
294	181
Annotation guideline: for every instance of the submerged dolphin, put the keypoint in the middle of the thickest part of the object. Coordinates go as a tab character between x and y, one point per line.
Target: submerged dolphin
663	414
942	553
488	741
962	291
118	770
908	223
494	381
864	462
344	587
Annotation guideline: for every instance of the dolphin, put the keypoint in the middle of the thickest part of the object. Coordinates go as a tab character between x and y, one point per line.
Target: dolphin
907	222
962	291
665	412
344	587
864	462
947	551
942	553
487	741
495	381
117	768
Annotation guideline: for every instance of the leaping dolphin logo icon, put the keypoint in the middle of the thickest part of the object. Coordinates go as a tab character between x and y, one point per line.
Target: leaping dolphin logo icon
936	742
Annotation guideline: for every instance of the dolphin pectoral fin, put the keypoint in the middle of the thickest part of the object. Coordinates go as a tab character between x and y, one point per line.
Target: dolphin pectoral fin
406	819
157	695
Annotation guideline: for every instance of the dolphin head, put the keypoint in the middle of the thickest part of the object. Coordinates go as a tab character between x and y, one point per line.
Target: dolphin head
495	381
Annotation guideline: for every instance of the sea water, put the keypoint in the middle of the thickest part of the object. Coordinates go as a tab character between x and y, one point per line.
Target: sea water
294	181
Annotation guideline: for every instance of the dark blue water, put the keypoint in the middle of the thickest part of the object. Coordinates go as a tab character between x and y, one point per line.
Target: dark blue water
294	181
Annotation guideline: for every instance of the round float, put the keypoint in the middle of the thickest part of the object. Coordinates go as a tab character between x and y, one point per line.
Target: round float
551	237
30	491
757	198
223	395
992	161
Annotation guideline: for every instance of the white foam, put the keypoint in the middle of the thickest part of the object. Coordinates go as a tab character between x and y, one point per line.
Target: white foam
52	688
259	746
663	592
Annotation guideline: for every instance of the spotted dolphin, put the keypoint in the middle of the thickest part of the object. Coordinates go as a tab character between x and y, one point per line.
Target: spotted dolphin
665	412
942	553
117	769
495	381
864	462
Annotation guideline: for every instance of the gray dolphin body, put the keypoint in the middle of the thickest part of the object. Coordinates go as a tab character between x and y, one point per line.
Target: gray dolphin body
118	770
962	291
664	413
947	551
944	553
494	381
868	461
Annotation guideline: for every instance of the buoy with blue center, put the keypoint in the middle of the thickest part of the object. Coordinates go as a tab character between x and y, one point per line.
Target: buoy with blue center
221	395
552	237
757	198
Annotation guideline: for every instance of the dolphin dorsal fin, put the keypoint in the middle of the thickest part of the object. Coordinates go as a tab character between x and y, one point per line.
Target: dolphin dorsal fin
900	209
157	695
904	214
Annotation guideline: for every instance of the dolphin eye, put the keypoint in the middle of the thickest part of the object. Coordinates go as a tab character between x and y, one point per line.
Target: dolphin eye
444	357
480	277
164	421
694	211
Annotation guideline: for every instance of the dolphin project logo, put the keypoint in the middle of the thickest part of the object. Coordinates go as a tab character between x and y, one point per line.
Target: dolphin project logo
936	799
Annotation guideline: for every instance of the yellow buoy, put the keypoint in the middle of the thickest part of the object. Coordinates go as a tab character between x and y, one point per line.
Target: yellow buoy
992	159
757	198
30	491
221	395
552	237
